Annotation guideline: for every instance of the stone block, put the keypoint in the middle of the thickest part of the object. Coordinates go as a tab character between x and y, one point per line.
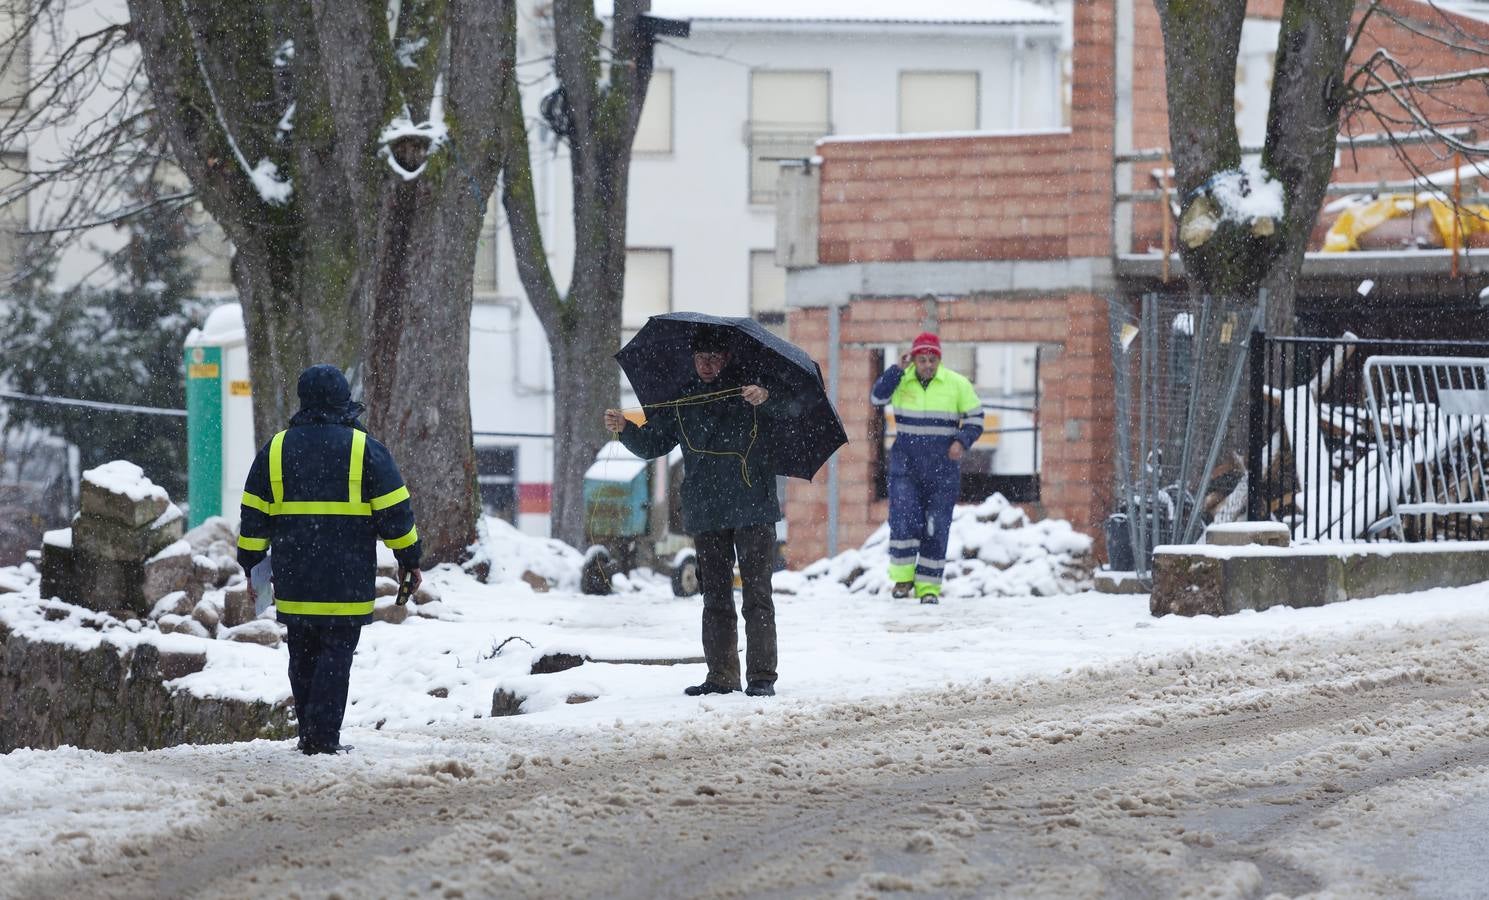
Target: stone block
180	663
506	703
259	631
208	614
204	570
555	662
168	571
1413	567
1109	582
169	622
237	605
113	540
59	569
424	595
100	501
387	610
1240	534
193	627
385	587
215	530
104	583
176	603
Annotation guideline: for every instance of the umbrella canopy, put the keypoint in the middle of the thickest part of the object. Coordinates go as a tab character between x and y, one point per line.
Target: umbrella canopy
802	429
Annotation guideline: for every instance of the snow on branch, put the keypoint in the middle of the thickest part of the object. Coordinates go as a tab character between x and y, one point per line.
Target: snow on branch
414	141
271	188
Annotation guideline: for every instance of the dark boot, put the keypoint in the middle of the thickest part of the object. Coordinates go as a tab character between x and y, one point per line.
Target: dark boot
902	589
761	689
708	687
325	749
931	598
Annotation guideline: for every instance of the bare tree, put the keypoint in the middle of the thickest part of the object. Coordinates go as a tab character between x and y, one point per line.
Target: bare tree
347	153
1246	227
596	109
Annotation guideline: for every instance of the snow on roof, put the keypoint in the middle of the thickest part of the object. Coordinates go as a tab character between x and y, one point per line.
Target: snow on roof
968	12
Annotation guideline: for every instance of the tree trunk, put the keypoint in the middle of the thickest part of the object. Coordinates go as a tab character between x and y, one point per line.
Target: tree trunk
583	326
1201	42
583	390
339	258
1302	136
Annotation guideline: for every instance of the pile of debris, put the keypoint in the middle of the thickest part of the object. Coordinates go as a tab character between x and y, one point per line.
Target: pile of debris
994	550
127	555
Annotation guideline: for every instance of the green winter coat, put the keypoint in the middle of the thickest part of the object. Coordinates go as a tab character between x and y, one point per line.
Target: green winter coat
718	492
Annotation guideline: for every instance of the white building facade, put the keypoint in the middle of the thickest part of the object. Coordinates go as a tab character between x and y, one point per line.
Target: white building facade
756	83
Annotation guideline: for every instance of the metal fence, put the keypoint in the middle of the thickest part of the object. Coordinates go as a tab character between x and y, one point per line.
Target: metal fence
1314	460
1177	364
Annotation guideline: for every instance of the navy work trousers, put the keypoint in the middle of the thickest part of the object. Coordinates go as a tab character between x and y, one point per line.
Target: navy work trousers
320	671
923	487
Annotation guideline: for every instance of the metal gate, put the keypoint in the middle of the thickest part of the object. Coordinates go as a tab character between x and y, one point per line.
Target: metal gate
1431	420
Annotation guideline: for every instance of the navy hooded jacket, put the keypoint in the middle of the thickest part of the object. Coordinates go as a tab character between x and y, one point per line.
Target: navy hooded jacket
322	493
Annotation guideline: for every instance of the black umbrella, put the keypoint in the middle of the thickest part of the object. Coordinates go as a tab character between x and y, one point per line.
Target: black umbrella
803	432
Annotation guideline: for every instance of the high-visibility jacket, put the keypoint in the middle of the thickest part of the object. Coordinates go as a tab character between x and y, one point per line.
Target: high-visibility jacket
322	495
928	418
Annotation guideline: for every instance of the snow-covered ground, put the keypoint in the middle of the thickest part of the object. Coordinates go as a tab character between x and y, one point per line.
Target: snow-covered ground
867	684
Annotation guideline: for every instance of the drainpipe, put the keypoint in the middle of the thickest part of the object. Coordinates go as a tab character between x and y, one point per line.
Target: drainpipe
1122	124
834	316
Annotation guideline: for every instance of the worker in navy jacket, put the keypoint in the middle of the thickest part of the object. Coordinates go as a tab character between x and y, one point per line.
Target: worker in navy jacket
937	418
321	494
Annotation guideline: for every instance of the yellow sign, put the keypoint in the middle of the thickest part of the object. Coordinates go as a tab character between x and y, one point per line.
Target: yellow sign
239	389
202	370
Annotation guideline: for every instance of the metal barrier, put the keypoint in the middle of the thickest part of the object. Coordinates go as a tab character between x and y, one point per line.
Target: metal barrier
1177	364
1431	421
1313	457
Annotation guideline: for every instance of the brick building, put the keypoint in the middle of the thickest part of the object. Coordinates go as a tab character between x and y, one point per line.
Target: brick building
1009	245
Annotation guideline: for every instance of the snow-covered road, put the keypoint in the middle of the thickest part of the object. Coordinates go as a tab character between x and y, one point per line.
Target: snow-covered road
1353	764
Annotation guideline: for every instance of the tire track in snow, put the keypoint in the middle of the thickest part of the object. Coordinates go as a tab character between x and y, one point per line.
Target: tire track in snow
1187	774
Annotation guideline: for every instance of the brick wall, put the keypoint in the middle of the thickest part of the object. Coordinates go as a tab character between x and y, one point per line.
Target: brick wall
1077	431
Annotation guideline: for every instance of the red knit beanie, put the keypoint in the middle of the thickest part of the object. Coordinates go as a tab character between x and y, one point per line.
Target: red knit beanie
926	343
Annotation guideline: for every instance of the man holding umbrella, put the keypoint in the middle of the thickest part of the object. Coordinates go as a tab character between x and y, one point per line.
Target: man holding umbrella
722	419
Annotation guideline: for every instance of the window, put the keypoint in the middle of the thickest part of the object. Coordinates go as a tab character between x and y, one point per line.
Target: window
15	216
654	132
210	251
768	290
1255	61
788	113
486	247
648	288
496	475
16	74
938	101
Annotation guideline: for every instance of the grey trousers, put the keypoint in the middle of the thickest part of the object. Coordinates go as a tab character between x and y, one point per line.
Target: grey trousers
716	554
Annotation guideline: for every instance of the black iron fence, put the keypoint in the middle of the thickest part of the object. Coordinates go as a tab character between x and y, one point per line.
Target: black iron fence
1313	461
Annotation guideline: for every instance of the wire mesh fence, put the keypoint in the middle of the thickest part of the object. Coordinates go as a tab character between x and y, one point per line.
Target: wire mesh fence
1178	364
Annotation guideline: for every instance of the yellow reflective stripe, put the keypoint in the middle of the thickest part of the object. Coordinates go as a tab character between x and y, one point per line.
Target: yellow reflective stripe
407	540
276	468
253	501
389	499
320	508
248	543
354	471
312	608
